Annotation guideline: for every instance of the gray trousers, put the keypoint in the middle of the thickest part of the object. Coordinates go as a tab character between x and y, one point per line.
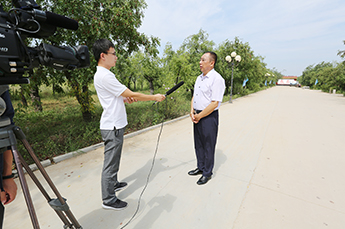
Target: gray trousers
113	141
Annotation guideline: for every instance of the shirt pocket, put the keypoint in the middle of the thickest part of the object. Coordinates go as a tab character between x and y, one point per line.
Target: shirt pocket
206	90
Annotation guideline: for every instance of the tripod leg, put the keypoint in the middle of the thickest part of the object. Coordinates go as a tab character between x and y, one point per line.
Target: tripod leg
25	188
43	191
20	135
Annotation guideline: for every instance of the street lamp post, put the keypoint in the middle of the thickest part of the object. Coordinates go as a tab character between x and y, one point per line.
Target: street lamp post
231	61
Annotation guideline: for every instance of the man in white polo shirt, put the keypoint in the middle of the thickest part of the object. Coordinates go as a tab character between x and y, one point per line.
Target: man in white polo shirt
208	94
112	96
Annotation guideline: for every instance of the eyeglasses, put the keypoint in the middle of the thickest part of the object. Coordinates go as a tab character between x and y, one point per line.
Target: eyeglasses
114	53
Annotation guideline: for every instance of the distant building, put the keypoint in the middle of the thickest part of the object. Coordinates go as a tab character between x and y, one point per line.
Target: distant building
288	81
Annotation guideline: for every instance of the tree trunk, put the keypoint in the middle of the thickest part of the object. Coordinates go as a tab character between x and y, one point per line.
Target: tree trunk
82	95
135	85
227	88
178	76
86	105
22	96
150	80
35	98
129	83
151	87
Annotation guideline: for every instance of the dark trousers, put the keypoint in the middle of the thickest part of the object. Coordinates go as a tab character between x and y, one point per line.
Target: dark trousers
2	212
205	139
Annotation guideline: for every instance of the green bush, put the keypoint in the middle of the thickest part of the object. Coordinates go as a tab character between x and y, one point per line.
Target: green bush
61	128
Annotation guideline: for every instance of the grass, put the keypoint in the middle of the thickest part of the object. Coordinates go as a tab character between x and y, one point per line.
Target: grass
60	128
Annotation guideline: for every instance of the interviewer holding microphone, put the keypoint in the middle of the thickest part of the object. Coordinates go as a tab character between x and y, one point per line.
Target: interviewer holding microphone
208	95
112	96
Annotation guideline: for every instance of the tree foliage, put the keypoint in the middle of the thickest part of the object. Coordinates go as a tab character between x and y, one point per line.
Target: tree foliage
251	67
325	76
191	51
183	64
118	21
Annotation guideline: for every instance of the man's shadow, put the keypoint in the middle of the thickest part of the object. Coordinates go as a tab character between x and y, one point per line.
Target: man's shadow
141	176
157	206
101	218
219	159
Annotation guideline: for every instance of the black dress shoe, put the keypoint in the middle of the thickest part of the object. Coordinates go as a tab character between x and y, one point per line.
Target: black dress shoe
195	172
203	180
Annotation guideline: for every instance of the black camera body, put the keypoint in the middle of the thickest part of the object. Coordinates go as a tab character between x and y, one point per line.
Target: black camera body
25	20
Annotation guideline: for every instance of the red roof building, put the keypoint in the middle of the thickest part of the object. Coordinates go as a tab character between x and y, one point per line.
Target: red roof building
290	77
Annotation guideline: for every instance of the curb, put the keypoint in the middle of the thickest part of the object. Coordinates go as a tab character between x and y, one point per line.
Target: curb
66	156
69	155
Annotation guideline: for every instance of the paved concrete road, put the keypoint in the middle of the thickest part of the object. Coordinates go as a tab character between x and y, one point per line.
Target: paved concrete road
280	163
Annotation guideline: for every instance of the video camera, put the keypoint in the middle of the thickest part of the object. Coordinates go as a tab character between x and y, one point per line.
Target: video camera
24	20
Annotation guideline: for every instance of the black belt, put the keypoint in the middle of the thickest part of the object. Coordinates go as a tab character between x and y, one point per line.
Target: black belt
197	111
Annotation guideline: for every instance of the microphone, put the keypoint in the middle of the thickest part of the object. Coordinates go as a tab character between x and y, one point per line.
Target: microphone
174	88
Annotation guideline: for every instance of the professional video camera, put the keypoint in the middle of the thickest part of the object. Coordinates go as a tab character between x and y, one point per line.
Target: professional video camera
26	19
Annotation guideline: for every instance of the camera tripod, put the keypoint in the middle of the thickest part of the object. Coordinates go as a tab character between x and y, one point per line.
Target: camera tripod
8	135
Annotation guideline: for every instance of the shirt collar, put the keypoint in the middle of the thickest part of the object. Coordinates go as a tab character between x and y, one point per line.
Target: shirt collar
207	75
101	68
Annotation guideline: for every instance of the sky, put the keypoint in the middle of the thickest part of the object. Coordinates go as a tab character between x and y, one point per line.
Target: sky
290	34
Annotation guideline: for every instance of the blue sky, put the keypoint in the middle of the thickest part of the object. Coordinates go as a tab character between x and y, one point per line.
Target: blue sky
289	34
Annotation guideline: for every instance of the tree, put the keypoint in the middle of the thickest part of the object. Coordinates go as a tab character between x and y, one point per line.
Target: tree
339	77
186	65
151	70
118	21
313	73
176	66
251	67
142	66
276	75
341	53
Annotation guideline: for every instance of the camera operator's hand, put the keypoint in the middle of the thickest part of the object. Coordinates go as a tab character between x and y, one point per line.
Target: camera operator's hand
10	192
159	97
8	184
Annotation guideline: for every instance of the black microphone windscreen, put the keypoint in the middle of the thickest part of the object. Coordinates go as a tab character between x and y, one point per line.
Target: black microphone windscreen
61	21
174	88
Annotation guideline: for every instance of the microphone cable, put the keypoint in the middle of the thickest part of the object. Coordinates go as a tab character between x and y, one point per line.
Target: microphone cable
153	163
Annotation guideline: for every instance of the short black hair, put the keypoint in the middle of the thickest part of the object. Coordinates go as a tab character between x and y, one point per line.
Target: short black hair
101	46
213	57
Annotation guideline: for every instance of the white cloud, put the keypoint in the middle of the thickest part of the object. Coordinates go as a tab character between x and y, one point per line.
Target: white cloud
175	20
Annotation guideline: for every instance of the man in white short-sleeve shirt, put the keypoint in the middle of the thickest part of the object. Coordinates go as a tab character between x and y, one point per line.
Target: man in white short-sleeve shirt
109	91
112	96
